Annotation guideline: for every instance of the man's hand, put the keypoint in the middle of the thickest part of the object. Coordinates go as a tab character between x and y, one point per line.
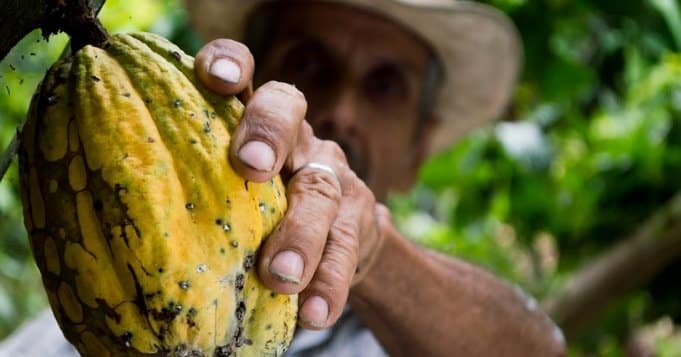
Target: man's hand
332	226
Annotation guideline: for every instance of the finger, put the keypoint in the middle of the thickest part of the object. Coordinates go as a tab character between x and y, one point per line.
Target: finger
224	66
268	131
293	251
326	295
369	251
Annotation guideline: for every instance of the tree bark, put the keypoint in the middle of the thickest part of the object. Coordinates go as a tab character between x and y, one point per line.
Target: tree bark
19	17
625	267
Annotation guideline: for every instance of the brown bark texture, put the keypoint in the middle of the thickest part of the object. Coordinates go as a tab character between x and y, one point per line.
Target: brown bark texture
19	17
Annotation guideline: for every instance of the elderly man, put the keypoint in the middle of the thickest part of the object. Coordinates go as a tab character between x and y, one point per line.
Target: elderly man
351	96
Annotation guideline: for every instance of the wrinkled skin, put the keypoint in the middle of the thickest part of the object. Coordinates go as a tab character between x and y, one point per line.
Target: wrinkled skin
357	83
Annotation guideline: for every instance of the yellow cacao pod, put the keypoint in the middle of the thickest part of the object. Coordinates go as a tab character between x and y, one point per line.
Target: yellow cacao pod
144	235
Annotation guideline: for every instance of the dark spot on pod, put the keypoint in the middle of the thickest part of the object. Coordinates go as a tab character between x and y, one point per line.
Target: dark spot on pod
151	140
189	206
53	99
240	311
95	78
127	95
177	103
206	127
246	184
32	53
239	282
149	296
191	312
218	221
98	205
223	351
180	350
7	88
273	295
184	285
12	67
261	207
21	81
176	55
222	250
102	305
272	210
234	243
126	338
191	115
160	270
118	188
249	261
148	101
240	341
268	327
168	313
205	112
193	141
213	115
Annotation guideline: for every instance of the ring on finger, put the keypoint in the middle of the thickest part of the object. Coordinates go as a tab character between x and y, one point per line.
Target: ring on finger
322	167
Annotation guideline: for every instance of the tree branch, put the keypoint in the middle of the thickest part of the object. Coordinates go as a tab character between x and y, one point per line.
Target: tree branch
19	17
620	270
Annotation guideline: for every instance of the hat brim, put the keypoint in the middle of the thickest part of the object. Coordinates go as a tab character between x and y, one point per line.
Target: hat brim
478	46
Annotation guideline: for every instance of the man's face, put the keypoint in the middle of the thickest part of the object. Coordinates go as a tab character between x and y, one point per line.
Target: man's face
362	76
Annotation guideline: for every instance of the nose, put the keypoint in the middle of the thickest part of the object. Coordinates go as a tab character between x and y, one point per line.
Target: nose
340	120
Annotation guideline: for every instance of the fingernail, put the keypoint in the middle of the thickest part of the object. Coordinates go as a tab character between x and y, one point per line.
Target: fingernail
226	70
257	155
315	311
287	266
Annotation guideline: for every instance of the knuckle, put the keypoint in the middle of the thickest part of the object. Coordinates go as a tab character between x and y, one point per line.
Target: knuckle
333	149
340	260
346	237
286	90
226	44
317	183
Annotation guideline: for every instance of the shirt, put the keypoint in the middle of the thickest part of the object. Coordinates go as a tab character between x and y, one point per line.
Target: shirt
41	337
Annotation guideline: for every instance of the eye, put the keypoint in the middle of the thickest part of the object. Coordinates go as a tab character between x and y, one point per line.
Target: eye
386	83
304	61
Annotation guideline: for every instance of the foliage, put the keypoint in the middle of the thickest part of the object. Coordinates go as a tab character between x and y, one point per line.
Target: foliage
589	149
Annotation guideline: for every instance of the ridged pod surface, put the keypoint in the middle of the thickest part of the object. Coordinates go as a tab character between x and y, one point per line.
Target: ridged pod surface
144	235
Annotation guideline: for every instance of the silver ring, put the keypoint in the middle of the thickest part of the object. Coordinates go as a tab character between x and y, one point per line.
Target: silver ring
318	166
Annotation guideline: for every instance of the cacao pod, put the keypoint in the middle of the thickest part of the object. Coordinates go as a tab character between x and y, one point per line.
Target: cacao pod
144	235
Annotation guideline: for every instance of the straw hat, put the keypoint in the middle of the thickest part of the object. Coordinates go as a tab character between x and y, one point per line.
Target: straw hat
478	46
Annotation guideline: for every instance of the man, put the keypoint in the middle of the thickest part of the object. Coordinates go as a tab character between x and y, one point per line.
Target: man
370	72
366	91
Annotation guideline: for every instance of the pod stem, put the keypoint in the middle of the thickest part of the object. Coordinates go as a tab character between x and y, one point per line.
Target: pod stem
78	18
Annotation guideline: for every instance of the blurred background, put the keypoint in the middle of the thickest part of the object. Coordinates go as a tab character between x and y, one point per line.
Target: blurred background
574	194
